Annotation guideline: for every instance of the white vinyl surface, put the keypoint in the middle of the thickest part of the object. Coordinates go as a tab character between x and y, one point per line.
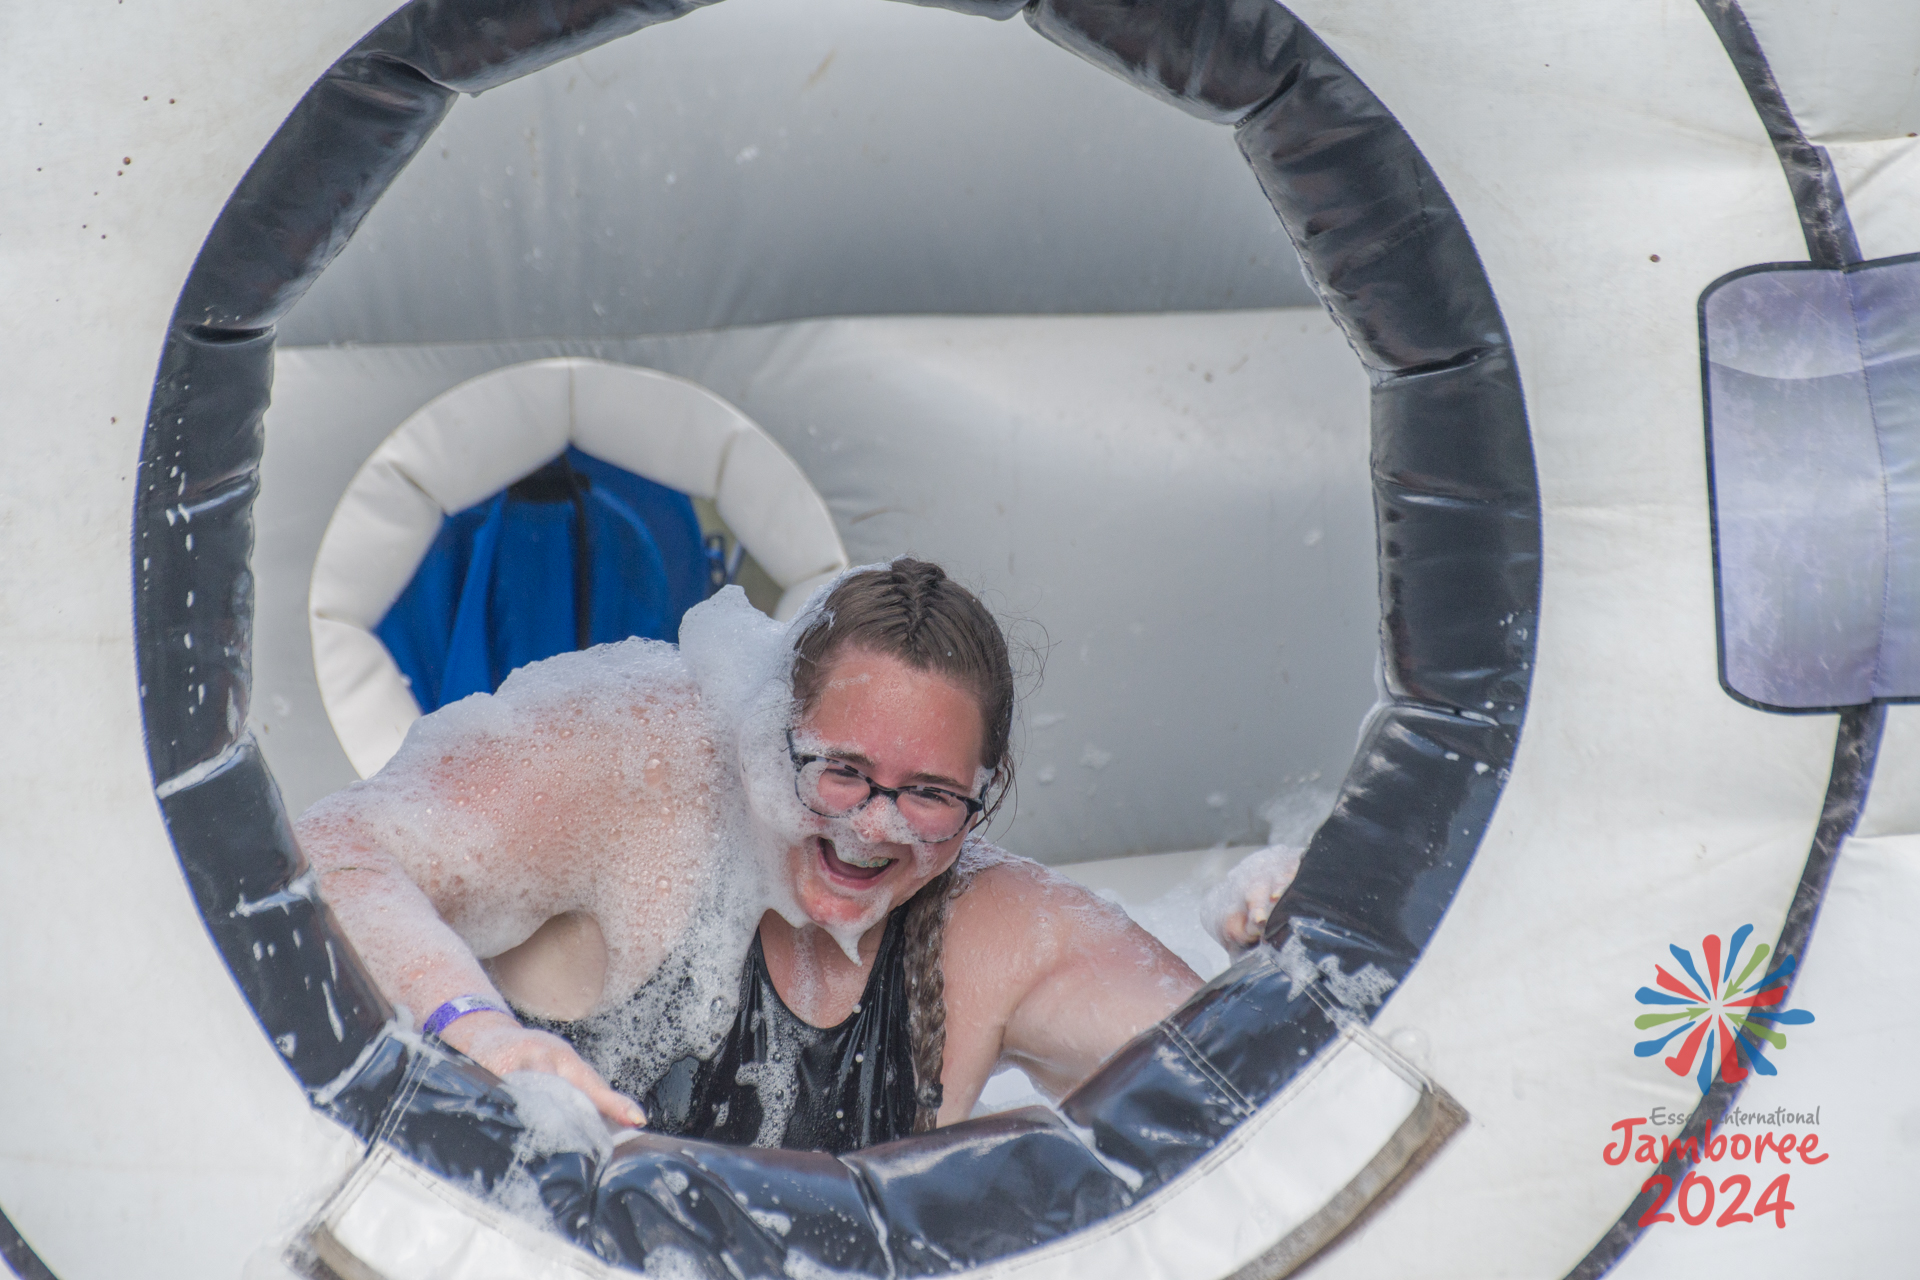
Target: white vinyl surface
763	161
406	1224
1847	67
1646	807
148	1128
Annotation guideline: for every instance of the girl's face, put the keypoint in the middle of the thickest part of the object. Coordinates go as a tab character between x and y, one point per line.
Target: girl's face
900	727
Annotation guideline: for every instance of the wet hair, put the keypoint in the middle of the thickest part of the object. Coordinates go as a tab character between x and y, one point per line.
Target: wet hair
913	612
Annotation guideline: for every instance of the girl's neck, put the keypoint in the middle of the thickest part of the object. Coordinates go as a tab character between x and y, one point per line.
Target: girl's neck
811	973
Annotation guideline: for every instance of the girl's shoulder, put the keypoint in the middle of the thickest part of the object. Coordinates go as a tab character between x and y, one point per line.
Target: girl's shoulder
987	875
999	890
605	686
626	677
582	714
1015	924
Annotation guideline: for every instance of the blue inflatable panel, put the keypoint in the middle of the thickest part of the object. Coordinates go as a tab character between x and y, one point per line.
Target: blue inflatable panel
497	589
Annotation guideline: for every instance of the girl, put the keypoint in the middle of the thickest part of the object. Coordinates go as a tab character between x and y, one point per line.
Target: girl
740	880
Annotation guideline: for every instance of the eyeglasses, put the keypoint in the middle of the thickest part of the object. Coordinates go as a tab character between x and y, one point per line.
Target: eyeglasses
833	789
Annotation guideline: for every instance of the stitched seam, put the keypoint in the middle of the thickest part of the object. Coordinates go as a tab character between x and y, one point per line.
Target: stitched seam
1201	1063
410	1085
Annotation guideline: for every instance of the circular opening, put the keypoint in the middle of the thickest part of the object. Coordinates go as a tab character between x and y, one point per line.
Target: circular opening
455	460
1453	482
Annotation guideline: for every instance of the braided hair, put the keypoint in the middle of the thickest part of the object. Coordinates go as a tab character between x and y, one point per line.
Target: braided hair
913	612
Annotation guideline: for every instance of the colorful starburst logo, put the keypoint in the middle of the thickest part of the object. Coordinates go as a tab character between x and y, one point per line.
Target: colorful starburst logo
1724	1018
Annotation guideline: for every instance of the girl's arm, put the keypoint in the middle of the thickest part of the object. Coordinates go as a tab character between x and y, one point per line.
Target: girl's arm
1066	975
473	836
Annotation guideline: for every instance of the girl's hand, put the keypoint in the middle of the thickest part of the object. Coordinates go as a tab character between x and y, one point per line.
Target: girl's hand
500	1044
1236	910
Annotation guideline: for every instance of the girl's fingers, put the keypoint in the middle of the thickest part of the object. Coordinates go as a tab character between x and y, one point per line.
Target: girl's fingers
1259	907
616	1107
1245	926
538	1051
626	1111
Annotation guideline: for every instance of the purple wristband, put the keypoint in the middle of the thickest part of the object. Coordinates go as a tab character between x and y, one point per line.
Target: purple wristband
455	1009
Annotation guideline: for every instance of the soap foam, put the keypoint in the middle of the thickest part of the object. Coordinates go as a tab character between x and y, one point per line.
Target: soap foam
644	784
557	1117
739	661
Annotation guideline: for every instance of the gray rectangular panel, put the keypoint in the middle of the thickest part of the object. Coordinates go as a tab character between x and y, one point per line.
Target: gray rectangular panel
1813	408
1886	299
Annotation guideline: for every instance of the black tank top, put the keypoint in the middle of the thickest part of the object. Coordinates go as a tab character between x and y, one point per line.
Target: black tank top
777	1081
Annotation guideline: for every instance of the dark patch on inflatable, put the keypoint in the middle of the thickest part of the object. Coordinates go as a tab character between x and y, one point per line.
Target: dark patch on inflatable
1811	178
19	1255
261	905
1459	579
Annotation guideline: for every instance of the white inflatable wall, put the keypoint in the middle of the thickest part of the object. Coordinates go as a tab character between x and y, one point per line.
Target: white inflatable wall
1610	165
125	156
1163	497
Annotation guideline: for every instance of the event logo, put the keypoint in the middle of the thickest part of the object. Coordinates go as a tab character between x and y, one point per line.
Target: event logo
1724	1019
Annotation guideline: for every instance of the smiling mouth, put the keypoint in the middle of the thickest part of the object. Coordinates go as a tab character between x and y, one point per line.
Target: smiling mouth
857	870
